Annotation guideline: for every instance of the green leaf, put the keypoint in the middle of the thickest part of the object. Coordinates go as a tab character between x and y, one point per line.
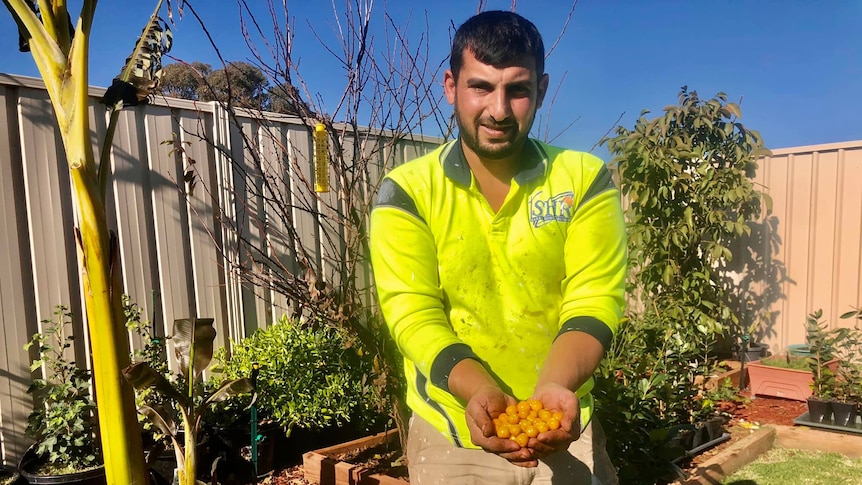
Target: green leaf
141	376
140	76
230	389
193	336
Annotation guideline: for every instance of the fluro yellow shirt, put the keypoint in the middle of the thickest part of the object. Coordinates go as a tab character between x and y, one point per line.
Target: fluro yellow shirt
456	280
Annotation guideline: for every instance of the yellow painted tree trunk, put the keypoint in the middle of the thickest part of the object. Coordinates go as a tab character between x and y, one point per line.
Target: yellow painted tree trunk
62	60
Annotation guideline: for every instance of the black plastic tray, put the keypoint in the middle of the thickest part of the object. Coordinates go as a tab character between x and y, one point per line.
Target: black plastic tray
805	420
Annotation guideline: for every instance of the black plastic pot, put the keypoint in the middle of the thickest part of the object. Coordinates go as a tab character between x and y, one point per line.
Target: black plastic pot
11	474
714	427
752	353
844	413
819	411
31	461
233	446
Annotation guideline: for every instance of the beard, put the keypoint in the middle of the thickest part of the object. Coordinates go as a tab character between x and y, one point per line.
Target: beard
508	145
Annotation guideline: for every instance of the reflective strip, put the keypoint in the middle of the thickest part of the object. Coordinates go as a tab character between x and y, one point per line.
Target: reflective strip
446	360
390	194
602	183
421	382
589	325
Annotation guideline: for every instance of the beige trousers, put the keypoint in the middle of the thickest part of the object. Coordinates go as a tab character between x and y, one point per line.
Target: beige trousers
433	460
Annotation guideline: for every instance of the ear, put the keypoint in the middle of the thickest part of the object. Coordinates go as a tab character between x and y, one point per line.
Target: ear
543	90
449	86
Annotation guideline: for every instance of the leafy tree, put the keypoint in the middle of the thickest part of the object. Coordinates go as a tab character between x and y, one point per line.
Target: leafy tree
239	84
186	81
286	98
686	177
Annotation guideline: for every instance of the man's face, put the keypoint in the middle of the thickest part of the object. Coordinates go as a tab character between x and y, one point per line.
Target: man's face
495	107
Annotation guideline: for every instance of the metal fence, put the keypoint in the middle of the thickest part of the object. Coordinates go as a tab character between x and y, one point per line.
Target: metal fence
177	258
816	233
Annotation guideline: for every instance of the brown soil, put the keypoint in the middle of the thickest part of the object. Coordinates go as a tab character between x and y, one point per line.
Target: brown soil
746	417
751	415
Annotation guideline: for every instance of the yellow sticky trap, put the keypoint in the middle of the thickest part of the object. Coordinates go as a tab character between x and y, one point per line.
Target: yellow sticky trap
321	159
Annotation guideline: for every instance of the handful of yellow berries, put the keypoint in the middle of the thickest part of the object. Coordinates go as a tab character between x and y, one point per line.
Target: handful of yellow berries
526	420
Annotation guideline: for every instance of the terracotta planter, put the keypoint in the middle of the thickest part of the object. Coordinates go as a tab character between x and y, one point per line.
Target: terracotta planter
323	466
765	380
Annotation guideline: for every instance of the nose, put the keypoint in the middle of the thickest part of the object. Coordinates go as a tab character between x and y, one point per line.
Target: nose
499	107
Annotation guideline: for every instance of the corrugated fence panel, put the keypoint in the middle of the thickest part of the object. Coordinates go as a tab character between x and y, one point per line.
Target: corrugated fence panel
134	222
249	214
47	188
170	219
204	231
277	211
174	251
848	283
818	206
304	201
16	287
226	195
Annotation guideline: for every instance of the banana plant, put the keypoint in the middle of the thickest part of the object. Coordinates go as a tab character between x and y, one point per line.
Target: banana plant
61	53
193	348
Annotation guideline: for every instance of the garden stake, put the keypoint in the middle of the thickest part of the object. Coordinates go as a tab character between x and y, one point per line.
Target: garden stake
255	367
742	360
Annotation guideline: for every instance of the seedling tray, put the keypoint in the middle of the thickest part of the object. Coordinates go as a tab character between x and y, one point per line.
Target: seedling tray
805	420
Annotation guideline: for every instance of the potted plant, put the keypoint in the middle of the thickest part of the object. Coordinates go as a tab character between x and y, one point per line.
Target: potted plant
823	346
9	476
791	377
193	348
313	384
849	382
63	422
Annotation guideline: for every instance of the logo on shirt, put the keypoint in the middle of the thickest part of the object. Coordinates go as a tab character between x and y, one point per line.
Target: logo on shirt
544	210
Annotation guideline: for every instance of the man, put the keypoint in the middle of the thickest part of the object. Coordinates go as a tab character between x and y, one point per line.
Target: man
500	263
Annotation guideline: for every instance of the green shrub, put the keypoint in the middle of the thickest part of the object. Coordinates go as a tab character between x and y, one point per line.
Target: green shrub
310	376
646	392
62	421
686	176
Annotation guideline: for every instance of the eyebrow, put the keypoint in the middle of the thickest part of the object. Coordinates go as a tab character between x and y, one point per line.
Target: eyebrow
477	81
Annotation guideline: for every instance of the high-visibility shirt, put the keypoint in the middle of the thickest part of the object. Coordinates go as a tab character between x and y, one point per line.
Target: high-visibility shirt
457	280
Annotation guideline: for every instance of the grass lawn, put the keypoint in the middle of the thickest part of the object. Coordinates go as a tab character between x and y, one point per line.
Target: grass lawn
782	466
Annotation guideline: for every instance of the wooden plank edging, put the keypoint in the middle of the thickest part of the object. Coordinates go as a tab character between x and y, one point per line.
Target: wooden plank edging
808	438
736	456
319	467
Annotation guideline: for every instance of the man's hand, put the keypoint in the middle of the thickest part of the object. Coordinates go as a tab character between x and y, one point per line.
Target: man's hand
486	403
557	397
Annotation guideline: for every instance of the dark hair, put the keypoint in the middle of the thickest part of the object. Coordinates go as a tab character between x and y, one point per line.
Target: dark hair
498	38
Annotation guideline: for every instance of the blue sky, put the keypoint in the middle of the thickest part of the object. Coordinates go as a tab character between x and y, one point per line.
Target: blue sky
796	65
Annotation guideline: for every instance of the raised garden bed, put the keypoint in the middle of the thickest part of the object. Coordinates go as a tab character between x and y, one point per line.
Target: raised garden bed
747	449
332	465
